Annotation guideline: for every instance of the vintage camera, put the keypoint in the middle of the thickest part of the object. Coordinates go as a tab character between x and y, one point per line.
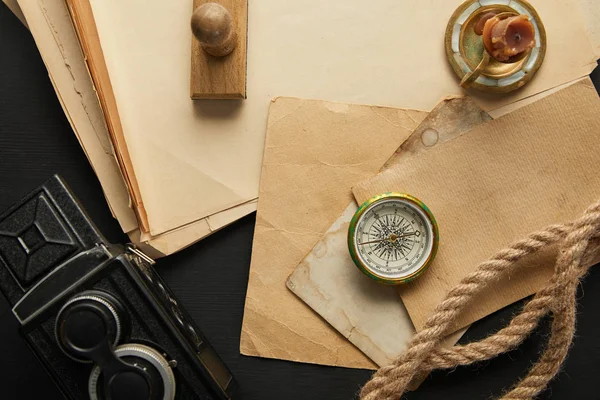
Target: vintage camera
97	315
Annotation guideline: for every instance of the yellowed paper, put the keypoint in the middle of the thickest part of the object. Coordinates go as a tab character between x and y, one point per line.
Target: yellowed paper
58	30
447	121
530	100
368	314
55	37
180	238
496	184
201	157
314	152
64	60
590	12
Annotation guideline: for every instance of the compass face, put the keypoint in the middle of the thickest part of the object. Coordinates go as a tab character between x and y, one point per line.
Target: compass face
393	238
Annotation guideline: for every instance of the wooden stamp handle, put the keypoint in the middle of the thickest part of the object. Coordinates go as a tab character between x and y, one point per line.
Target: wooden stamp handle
213	26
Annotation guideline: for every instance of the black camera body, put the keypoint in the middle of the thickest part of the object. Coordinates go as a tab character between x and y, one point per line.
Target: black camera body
97	315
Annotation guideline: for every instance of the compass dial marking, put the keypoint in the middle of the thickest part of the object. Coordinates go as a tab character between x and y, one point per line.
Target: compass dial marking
394	238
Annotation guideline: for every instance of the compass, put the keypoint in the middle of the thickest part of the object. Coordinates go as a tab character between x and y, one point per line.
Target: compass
393	238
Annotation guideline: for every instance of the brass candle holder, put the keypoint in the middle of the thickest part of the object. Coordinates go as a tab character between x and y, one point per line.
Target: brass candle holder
474	65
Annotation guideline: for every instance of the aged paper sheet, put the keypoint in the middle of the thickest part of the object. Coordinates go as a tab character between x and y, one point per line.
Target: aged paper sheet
367	313
371	316
332	58
56	39
59	31
590	12
201	157
496	184
51	27
314	152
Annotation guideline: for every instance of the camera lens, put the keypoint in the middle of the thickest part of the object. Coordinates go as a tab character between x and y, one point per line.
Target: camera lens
157	382
87	321
129	386
83	327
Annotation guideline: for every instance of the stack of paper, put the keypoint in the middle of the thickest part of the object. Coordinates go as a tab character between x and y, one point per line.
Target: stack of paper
496	202
52	27
365	312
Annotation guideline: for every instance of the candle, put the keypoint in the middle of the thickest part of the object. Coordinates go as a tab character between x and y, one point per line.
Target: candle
506	39
482	20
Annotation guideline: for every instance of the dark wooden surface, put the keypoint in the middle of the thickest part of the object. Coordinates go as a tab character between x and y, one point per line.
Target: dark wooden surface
210	277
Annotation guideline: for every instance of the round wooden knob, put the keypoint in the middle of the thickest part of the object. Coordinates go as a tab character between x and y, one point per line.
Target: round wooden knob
213	27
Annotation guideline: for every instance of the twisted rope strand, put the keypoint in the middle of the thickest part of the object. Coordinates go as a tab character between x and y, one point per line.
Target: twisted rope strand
486	273
569	272
504	340
424	354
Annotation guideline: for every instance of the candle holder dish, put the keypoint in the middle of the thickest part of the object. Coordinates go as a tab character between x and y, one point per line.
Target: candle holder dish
474	65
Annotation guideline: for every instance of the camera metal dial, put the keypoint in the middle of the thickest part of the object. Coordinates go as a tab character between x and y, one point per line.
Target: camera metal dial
87	320
393	238
153	381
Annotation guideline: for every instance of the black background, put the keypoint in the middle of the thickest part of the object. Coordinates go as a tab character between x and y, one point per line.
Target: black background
210	277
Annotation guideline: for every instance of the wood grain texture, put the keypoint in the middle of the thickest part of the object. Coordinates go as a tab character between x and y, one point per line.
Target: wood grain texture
221	77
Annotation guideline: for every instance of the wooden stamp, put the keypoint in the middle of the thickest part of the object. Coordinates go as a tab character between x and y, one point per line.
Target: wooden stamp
219	32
